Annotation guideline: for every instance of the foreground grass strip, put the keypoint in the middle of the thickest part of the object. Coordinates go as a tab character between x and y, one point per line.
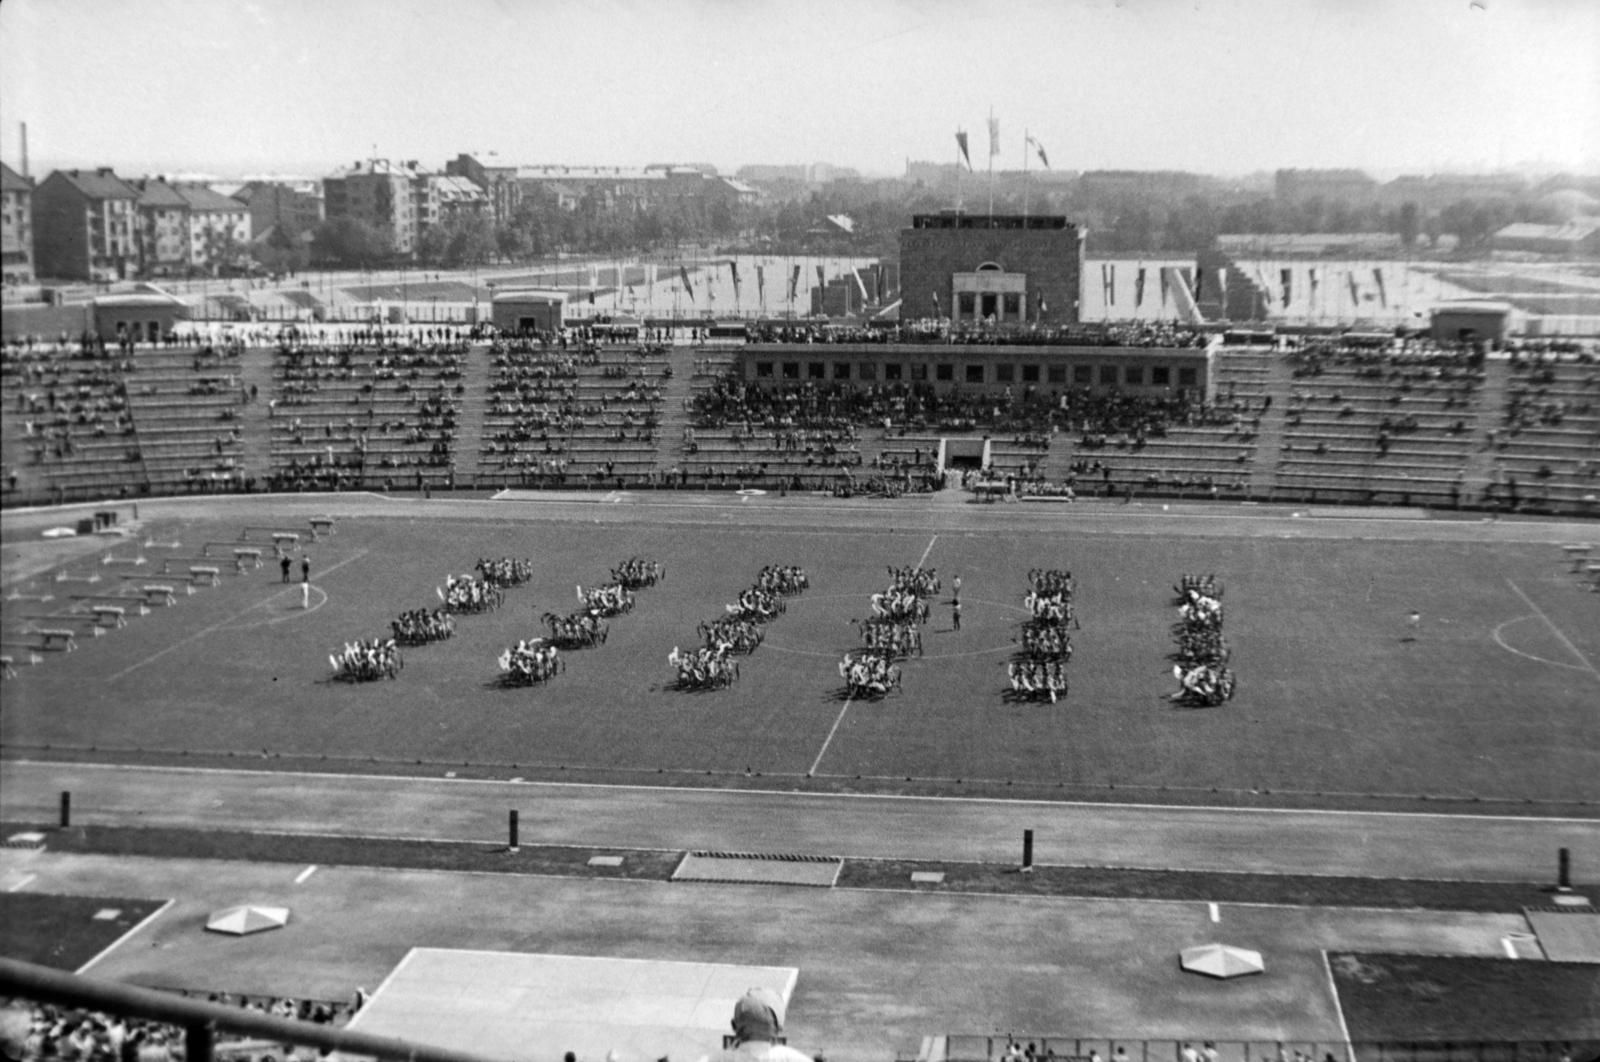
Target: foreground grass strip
63	932
1200	886
168	843
650	865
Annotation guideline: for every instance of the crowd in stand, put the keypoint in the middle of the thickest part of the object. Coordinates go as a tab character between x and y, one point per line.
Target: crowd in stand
74	1034
1132	334
1200	663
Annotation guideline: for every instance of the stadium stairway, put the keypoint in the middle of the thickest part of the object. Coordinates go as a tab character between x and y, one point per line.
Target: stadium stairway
254	420
1278	381
1479	469
675	394
474	407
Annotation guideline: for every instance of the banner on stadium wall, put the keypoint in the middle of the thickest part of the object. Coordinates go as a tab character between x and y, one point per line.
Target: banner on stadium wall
1162	274
761	285
1383	295
1286	278
1355	289
1315	282
1138	289
794	283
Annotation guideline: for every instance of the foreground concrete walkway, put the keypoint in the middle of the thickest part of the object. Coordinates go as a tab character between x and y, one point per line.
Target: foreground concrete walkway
1379	845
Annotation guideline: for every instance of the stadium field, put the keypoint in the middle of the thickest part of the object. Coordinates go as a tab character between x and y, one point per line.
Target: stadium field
1494	699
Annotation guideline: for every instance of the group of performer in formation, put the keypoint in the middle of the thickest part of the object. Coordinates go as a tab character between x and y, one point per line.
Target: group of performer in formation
713	664
892	633
1039	670
367	660
536	660
1200	664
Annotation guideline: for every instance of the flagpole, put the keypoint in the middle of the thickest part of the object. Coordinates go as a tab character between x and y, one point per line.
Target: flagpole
1026	140
958	173
991	162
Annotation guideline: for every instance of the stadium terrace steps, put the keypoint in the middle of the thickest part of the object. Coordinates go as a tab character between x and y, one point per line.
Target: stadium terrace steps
1275	382
675	416
474	408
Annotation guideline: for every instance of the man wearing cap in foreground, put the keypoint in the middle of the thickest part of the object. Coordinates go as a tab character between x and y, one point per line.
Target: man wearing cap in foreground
757	1022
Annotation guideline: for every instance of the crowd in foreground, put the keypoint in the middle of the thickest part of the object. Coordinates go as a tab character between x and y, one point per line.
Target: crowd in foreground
46	1032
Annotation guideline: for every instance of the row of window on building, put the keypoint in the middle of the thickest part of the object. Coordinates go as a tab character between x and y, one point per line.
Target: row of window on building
1085	375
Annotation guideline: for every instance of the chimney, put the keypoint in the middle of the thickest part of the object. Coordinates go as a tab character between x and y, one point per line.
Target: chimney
24	149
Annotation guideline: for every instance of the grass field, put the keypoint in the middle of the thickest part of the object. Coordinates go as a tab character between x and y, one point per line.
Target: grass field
1487	702
64	932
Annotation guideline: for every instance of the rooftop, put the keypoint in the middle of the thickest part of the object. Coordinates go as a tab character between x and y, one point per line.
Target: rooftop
99	184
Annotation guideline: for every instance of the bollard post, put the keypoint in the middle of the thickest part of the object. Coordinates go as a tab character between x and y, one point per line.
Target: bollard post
1564	882
513	828
1027	851
199	1042
66	808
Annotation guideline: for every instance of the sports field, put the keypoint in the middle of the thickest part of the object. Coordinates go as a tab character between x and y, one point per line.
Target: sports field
1495	698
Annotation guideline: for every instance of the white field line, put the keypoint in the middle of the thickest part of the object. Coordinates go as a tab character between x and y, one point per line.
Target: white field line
1557	631
923	560
1338	1007
20	885
306	873
152	916
1216	913
818	761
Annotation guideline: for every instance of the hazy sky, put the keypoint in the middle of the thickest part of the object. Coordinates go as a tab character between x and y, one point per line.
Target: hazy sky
1221	86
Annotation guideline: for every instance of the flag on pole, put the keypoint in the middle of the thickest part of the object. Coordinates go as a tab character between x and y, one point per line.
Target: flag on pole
1286	276
1383	295
1355	289
1162	273
1138	289
1222	291
1109	280
822	278
961	142
938	311
994	136
879	283
1315	280
761	285
1039	148
733	267
683	271
1044	307
794	283
1199	281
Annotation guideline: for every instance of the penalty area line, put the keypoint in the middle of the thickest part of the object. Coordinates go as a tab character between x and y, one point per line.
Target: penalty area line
1557	631
924	558
818	761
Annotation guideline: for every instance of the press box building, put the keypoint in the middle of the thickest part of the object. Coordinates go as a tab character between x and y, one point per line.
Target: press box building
1008	269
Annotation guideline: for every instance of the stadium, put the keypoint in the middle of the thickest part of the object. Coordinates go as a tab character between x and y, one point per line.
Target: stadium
987	812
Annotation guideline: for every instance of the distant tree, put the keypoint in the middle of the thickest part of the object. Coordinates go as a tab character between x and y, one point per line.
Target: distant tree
351	243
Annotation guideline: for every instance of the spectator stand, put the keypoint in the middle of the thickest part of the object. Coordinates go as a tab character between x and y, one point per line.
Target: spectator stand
186	404
69	431
369	409
1378	424
571	413
1545	447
